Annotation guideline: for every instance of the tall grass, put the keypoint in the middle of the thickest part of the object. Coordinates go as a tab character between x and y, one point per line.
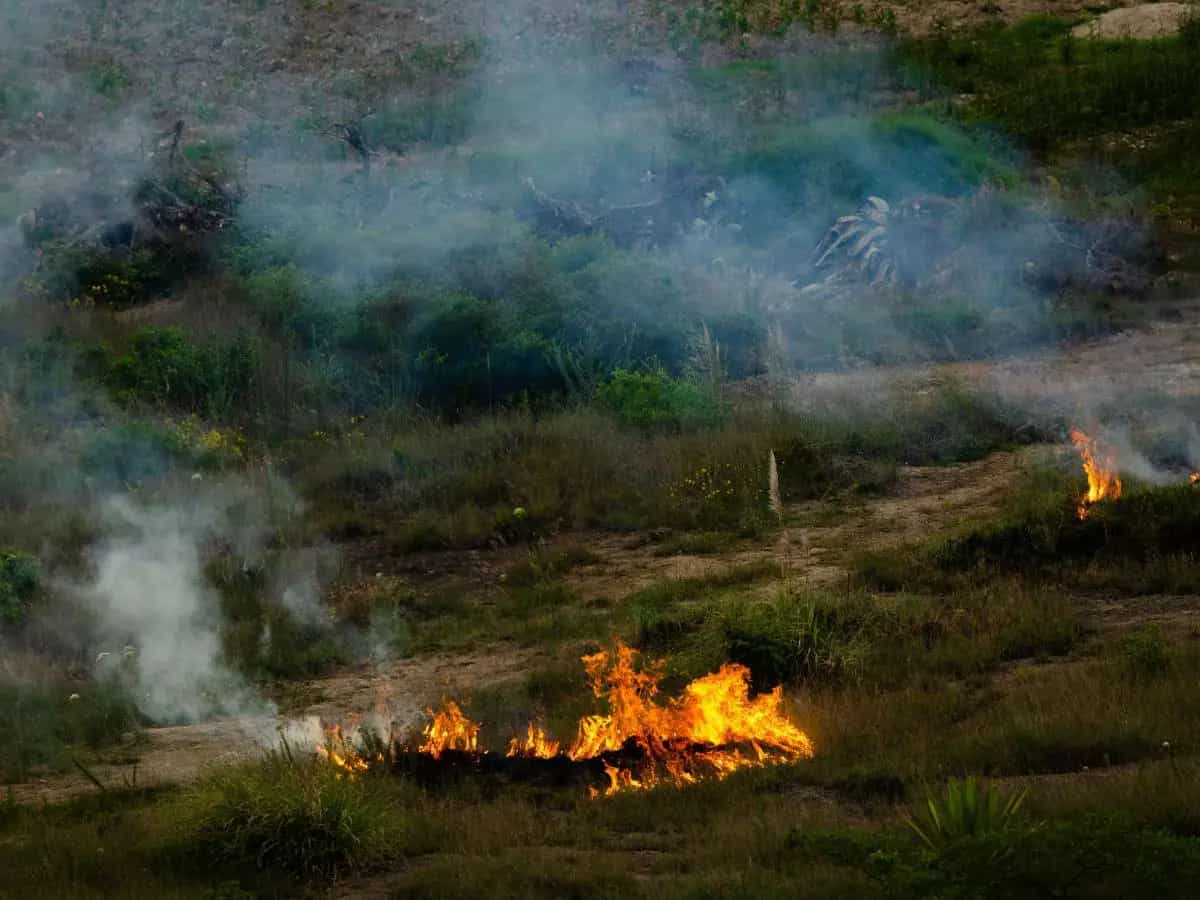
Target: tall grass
299	816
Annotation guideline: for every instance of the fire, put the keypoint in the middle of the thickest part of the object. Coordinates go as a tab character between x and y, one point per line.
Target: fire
713	728
1194	478
1101	470
449	730
340	749
535	746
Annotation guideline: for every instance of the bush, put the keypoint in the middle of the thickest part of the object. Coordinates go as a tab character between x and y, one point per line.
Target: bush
1090	858
1145	653
654	399
966	808
164	367
298	817
19	582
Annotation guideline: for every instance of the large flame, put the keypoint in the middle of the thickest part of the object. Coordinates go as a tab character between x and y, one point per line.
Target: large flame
1101	470
449	729
712	729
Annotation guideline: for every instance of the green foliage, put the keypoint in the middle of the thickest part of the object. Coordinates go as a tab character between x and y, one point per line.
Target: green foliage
1090	857
260	636
110	79
1046	87
653	399
132	453
1135	542
20	579
163	367
1145	653
829	165
287	815
43	725
90	276
966	808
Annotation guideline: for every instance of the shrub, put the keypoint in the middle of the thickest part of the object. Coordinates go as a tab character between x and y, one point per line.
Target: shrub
654	399
164	367
19	581
298	817
1145	653
966	808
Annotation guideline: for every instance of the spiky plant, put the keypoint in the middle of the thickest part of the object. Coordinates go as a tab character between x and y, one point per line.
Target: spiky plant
965	808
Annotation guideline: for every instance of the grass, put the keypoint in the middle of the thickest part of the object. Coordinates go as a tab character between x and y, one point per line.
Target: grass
1057	94
520	387
289	815
1140	543
50	722
461	484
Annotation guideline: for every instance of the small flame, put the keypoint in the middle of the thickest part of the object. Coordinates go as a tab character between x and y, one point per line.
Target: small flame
1194	478
449	730
1101	470
536	745
340	750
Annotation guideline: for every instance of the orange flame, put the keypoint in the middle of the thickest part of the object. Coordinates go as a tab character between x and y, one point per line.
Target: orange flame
706	731
1101	470
1194	478
535	746
712	729
449	730
340	750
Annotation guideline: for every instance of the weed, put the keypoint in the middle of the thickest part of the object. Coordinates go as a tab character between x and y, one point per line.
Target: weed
1145	653
966	808
301	817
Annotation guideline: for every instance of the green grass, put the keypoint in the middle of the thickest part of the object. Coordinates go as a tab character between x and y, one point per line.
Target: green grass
460	484
1140	543
1046	87
299	817
49	723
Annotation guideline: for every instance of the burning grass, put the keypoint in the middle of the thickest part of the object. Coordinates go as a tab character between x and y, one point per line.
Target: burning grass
713	728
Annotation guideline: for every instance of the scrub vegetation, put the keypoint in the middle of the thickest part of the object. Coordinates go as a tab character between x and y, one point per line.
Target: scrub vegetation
386	354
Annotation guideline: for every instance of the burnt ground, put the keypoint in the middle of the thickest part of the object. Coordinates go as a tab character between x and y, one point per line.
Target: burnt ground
820	536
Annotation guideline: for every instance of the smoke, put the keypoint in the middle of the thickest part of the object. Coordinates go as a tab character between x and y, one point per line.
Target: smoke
155	608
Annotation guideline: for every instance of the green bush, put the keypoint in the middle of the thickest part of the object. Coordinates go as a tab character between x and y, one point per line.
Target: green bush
654	399
298	817
966	808
1145	653
164	367
19	582
45	722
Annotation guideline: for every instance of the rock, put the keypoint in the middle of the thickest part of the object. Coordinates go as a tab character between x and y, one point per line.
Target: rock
1149	20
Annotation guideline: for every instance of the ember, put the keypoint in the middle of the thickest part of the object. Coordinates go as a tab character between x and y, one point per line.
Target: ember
711	730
